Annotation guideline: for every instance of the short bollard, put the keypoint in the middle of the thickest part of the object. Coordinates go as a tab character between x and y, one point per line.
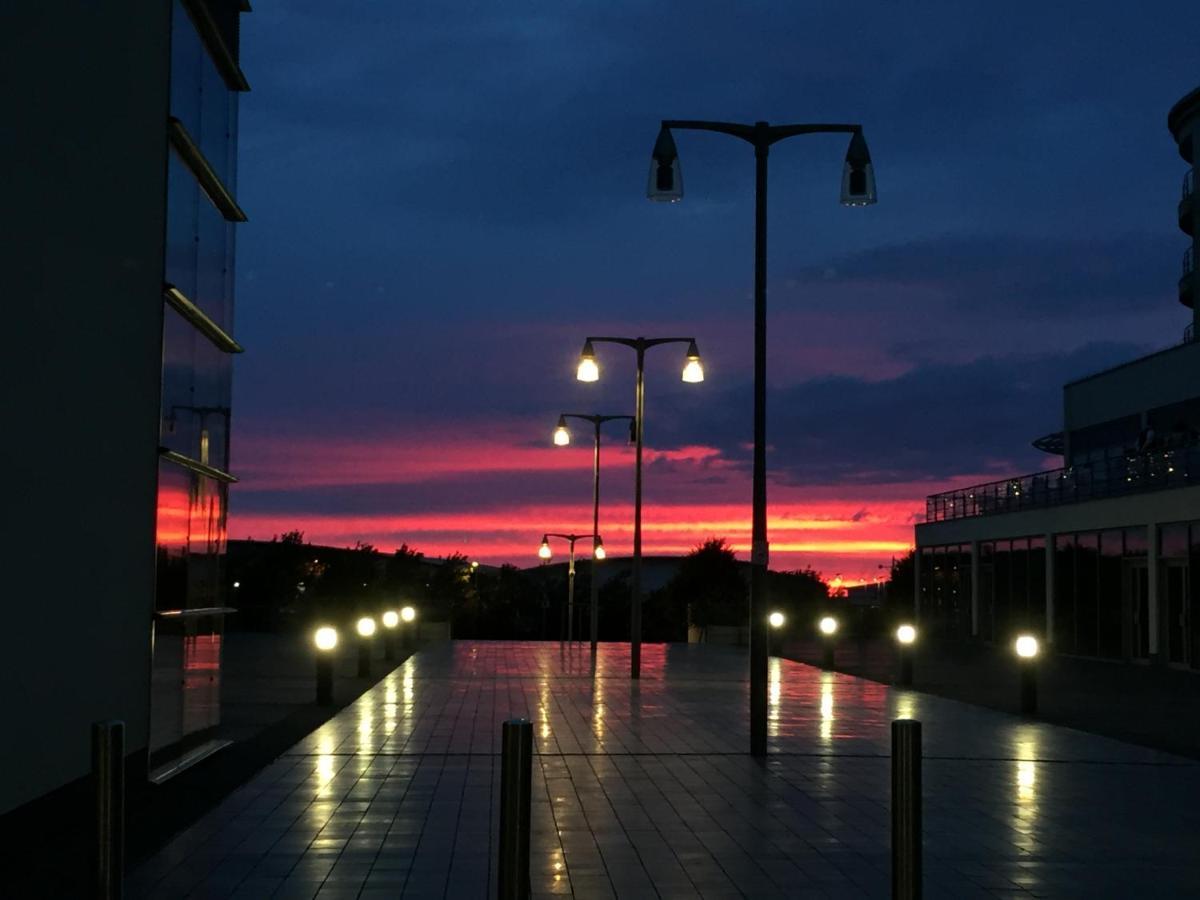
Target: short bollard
516	788
828	626
366	631
906	636
325	639
1027	660
391	621
906	809
408	629
108	773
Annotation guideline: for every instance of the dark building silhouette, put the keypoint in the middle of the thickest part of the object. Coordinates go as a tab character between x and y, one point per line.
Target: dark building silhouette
1100	556
120	149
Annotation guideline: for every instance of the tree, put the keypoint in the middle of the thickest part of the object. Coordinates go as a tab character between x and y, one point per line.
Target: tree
710	584
901	584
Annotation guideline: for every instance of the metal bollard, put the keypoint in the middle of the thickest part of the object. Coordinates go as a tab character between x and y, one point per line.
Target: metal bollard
108	775
516	788
1029	691
325	678
364	657
906	809
906	666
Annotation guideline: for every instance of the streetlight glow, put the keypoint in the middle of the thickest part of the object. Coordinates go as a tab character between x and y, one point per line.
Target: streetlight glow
693	372
1027	646
588	370
828	625
544	551
325	638
408	614
906	634
391	619
776	619
598	551
365	626
562	436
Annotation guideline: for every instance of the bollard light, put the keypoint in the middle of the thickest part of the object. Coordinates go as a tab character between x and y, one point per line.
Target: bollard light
1027	652
828	625
776	619
906	634
1027	646
365	626
391	619
408	614
325	638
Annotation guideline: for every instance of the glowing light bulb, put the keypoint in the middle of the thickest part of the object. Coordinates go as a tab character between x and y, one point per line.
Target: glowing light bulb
693	372
776	619
365	626
544	551
325	638
599	552
1027	646
588	370
391	619
828	625
906	634
408	614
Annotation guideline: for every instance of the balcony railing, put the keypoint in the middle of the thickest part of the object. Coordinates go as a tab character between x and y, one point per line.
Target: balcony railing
1113	477
1189	183
1189	332
1189	262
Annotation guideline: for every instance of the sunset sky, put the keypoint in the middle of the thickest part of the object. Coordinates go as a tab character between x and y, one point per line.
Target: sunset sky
446	198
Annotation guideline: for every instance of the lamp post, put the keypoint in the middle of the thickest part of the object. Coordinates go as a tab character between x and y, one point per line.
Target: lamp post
858	189
562	438
544	552
693	372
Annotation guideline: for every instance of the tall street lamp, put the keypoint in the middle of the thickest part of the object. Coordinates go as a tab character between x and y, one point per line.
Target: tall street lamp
544	553
858	189
562	438
589	370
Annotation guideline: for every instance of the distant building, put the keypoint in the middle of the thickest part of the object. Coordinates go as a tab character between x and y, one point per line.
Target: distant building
1102	555
121	146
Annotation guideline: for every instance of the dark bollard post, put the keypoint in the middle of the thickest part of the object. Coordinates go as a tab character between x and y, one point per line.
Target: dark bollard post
108	773
408	629
516	788
906	636
906	809
366	631
325	639
828	626
1027	660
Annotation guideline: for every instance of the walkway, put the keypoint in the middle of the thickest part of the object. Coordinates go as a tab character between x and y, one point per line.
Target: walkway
645	790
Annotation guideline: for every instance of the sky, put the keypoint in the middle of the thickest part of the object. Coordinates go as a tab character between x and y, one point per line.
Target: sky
446	198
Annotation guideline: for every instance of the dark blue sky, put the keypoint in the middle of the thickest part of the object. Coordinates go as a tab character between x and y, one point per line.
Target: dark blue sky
445	198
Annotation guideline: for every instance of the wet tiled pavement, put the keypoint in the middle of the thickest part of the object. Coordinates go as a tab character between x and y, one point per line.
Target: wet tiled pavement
645	790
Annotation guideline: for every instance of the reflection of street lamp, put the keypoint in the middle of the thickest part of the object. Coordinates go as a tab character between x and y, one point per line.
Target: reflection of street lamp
562	438
545	553
589	370
858	189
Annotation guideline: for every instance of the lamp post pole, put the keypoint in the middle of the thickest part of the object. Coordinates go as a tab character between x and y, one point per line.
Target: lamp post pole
691	373
562	437
857	189
544	553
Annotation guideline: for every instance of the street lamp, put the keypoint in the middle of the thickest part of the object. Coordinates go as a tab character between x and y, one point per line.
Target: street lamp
562	438
545	552
828	627
325	639
365	627
1028	648
906	636
589	370
858	189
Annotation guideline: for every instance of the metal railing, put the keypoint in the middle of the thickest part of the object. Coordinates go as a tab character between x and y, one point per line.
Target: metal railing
1113	477
1189	262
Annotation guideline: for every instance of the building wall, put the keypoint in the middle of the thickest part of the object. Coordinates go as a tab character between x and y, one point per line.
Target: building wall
83	270
1163	379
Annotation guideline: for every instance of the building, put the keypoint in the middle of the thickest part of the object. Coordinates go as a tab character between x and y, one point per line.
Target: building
1101	556
121	149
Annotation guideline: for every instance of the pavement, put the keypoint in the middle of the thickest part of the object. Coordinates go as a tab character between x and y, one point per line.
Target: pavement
645	789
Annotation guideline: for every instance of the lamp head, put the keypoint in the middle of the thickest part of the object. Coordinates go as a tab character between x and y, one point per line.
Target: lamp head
544	551
666	180
408	614
365	626
391	619
598	551
858	175
1027	646
562	437
588	370
906	634
325	638
776	619
693	372
828	626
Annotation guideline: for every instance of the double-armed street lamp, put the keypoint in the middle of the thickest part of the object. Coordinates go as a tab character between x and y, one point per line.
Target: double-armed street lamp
589	370
858	189
562	438
544	553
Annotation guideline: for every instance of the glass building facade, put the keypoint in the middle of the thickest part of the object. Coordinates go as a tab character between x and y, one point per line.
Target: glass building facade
197	348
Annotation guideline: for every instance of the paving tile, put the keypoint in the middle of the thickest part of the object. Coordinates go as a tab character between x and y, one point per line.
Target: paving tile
644	789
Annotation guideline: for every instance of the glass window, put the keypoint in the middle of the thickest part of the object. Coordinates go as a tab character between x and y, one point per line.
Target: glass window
1019	592
1064	593
196	394
1173	541
1002	607
1111	594
190	539
201	100
1087	566
1037	585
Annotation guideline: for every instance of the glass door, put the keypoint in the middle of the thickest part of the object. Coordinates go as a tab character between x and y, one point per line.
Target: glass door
1138	594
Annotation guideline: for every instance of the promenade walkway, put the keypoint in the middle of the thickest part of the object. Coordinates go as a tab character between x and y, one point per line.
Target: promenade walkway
645	790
